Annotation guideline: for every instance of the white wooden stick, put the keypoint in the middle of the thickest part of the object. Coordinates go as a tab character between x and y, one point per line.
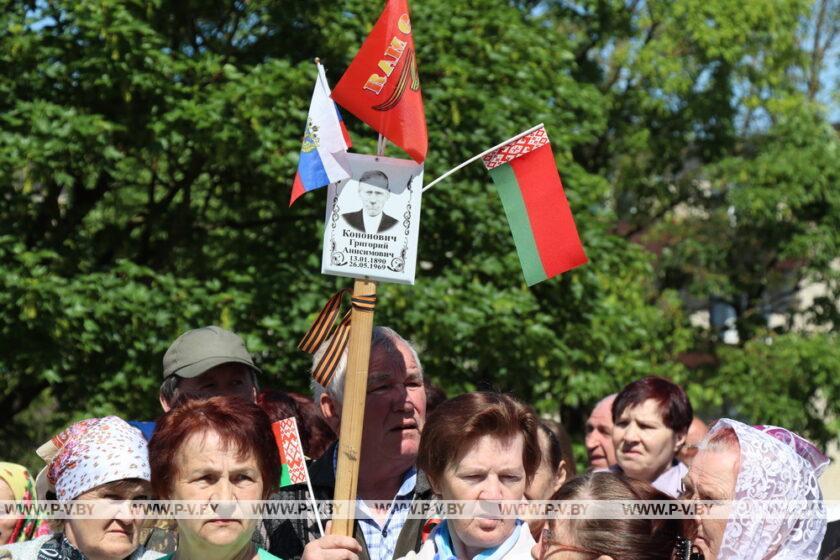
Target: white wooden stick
481	155
309	487
315	505
323	76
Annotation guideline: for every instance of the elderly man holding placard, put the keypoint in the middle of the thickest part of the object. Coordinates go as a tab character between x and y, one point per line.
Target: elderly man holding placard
395	410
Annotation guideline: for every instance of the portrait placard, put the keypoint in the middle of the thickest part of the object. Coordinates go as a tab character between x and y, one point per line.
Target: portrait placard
373	220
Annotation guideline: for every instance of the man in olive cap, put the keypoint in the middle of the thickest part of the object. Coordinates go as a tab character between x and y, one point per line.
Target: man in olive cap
201	363
207	362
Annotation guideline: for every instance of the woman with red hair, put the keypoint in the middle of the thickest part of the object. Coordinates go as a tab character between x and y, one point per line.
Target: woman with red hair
216	451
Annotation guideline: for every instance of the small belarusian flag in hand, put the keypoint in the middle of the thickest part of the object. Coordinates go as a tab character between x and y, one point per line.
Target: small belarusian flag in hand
292	460
540	220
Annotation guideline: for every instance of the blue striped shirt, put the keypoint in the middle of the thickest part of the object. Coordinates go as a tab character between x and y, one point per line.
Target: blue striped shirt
381	540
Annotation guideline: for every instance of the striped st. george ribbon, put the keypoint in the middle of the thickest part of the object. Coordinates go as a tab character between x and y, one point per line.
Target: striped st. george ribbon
323	329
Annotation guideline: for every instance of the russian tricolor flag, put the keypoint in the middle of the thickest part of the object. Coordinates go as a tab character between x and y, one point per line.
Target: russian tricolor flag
324	143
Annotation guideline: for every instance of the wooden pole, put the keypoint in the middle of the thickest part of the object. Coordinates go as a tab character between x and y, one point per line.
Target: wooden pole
353	405
353	410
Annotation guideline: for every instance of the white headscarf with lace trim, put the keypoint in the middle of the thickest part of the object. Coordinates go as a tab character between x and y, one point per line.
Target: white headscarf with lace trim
776	464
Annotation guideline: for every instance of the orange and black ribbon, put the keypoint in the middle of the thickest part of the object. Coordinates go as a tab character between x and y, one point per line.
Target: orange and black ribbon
322	329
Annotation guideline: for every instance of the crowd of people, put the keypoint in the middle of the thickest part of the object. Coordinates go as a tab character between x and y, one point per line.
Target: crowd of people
213	443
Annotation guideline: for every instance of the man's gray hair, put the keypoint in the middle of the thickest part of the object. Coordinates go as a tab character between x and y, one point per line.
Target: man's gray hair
383	338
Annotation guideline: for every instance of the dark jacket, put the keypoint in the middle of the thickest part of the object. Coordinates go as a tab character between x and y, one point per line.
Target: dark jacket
287	537
831	541
357	221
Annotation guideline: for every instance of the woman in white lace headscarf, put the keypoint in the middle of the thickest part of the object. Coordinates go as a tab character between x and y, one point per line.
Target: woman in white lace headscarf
746	463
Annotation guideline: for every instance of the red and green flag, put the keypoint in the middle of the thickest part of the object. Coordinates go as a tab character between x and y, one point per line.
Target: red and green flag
540	219
292	460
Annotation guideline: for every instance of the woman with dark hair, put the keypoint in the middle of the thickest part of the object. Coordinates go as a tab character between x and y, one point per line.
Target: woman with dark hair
315	434
550	475
480	447
220	450
608	537
566	451
651	417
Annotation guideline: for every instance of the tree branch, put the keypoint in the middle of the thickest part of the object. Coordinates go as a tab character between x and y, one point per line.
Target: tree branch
246	224
817	52
652	219
16	402
83	202
47	212
194	169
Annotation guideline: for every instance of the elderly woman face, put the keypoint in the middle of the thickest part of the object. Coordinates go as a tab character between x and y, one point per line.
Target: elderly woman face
210	471
490	470
117	535
712	476
644	445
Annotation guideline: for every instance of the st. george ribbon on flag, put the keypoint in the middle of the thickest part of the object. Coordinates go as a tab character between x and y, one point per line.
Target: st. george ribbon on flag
382	85
325	142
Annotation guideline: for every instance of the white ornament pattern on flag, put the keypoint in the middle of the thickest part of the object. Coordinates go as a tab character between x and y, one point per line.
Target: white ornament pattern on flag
292	450
517	148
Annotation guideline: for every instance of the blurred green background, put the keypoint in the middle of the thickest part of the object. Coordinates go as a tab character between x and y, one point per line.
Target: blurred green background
147	151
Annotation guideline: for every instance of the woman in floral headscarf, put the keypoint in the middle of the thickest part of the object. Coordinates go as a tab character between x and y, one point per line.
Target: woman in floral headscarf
756	466
16	484
100	460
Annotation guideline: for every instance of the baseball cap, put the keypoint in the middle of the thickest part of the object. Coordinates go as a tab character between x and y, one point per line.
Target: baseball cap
199	350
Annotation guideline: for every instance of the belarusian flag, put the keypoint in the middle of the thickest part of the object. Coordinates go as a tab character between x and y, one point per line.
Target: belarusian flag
292	460
540	219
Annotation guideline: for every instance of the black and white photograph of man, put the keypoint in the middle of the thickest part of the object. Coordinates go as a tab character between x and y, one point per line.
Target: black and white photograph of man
374	193
362	236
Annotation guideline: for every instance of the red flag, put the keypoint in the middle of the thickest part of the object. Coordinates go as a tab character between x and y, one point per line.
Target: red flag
538	213
382	86
292	461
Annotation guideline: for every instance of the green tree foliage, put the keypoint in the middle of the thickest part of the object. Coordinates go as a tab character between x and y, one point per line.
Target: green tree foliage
147	151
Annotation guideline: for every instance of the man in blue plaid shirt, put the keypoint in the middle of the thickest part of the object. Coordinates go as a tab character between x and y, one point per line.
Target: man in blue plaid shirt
395	410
